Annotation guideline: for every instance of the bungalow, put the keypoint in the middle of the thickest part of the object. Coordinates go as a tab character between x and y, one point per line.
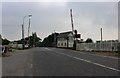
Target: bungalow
65	40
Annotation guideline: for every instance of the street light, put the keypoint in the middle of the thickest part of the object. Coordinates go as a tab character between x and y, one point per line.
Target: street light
29	15
29	31
23	43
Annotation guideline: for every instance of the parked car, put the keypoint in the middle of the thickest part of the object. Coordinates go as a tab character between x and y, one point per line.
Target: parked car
1	49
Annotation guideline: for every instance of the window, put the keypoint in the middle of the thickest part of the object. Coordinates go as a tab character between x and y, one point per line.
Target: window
61	44
65	44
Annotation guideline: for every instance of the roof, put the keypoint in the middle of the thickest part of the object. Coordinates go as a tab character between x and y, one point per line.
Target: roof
64	34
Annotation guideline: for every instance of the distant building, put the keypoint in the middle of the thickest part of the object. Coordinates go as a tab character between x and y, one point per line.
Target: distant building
15	45
65	40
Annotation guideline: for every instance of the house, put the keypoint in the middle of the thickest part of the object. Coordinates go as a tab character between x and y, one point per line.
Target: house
65	40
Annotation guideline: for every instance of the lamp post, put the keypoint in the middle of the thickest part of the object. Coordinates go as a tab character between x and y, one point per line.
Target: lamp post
23	43
29	30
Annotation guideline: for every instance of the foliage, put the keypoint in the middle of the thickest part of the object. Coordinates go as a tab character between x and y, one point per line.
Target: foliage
33	40
89	40
48	41
5	42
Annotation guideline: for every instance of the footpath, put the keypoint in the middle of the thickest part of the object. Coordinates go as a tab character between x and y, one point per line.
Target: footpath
13	64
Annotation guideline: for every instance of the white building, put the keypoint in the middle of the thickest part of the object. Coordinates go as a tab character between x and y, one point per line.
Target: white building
15	45
65	40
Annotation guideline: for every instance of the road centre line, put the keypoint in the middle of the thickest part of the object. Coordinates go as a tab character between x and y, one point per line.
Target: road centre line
88	61
31	65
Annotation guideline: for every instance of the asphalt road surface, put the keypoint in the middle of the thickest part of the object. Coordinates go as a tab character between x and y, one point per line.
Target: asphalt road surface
42	61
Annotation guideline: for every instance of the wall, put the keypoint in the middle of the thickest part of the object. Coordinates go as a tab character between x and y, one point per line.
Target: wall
70	42
104	46
19	46
62	42
15	45
66	42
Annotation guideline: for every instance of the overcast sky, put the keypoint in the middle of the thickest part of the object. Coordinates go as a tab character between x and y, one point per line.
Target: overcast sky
89	17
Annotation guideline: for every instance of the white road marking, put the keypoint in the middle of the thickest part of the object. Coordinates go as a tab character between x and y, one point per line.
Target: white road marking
46	48
98	55
31	65
89	62
94	54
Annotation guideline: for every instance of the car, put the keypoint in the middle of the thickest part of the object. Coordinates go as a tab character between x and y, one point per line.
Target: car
2	48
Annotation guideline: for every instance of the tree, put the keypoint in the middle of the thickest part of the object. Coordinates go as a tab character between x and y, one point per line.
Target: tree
5	42
48	41
89	40
34	39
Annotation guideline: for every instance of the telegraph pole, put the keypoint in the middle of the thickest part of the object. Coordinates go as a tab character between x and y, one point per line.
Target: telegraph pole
101	34
23	41
74	45
29	27
72	20
34	39
101	39
54	39
23	44
28	33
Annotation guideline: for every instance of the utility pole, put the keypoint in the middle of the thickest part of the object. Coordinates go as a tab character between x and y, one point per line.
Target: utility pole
28	33
101	34
34	38
74	45
72	20
101	39
23	41
23	44
54	39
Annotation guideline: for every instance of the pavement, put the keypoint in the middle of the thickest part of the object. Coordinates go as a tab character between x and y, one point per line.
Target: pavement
44	61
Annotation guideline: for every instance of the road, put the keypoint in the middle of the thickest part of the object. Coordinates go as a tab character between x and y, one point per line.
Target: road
42	61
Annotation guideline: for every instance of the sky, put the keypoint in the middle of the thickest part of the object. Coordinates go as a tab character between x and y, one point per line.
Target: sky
48	16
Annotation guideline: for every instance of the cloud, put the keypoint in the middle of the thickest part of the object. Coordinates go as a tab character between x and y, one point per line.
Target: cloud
0	18
88	18
60	0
